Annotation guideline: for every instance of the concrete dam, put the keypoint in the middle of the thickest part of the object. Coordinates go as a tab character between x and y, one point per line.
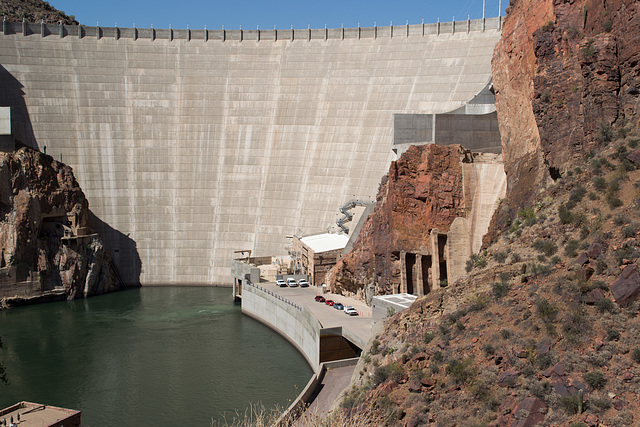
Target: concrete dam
193	144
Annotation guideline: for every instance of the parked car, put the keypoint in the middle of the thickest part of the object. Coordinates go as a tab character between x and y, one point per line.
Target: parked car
303	283
329	302
281	283
319	298
338	306
291	282
351	311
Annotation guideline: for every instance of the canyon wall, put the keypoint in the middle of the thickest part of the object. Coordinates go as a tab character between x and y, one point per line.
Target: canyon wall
566	73
47	245
193	149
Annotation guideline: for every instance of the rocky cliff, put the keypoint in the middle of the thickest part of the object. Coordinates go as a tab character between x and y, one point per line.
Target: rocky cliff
566	75
544	330
47	246
422	191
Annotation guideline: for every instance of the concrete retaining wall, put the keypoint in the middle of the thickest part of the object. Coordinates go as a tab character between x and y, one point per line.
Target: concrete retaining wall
295	323
197	148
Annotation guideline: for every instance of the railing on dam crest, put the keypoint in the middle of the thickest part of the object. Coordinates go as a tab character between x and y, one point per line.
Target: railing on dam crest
391	31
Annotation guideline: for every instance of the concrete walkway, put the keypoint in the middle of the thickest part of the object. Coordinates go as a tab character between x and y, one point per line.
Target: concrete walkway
336	379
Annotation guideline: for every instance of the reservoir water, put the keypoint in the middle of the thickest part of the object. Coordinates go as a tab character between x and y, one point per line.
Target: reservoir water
152	356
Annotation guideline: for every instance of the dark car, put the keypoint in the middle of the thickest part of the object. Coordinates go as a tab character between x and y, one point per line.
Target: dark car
329	302
338	306
319	298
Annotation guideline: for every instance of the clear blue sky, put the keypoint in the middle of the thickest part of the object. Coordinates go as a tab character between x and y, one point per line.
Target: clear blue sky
264	13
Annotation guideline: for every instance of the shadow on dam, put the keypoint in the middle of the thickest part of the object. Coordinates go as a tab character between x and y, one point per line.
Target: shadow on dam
12	95
122	248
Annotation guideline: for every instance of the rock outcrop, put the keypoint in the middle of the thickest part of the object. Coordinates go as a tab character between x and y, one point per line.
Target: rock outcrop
46	241
566	75
422	191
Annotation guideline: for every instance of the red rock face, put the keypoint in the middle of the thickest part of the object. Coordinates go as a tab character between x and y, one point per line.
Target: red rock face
422	191
563	70
37	193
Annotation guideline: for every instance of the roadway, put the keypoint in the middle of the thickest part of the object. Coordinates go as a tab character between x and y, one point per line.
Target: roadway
328	316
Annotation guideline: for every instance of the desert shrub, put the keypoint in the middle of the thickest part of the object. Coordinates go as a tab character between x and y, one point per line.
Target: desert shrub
506	333
595	379
500	257
393	371
437	356
593	196
476	261
571	247
428	336
625	252
528	216
614	202
556	260
571	404
546	310
599	404
630	230
354	398
565	215
576	196
579	219
500	289
605	131
461	370
375	347
605	305
576	325
613	334
515	257
607	26
635	354
478	302
599	183
489	349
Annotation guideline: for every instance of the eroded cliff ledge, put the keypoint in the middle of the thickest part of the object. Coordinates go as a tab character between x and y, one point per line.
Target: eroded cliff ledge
565	72
423	191
47	246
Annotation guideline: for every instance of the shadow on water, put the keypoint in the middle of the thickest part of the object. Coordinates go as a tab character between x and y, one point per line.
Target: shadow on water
12	95
123	249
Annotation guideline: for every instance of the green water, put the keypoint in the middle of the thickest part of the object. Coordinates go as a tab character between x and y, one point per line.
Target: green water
147	357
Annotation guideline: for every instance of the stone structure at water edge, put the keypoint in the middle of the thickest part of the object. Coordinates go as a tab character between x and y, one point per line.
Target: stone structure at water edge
191	144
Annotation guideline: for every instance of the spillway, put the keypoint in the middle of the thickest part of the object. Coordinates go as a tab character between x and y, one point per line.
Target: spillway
190	146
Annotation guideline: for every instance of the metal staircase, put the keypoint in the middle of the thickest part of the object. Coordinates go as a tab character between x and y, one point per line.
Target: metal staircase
347	216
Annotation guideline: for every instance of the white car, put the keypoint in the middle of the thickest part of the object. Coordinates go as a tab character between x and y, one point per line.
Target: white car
351	311
281	283
291	282
303	283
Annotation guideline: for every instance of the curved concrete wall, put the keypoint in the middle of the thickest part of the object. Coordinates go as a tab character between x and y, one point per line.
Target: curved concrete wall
198	148
295	323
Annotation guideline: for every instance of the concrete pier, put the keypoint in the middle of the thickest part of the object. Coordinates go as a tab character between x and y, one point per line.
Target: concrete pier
198	144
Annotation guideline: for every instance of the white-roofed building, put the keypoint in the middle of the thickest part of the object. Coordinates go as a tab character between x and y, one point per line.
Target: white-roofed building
317	253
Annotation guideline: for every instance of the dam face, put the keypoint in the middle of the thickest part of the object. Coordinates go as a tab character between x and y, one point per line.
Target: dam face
198	148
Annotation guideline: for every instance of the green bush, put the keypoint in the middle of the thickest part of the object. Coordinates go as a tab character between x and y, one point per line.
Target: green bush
605	305
613	334
635	355
506	333
500	289
599	183
546	310
595	379
605	131
375	347
576	325
461	370
571	247
500	257
428	336
565	215
571	404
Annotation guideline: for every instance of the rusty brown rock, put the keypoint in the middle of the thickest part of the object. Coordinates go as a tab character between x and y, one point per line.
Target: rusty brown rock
626	288
422	191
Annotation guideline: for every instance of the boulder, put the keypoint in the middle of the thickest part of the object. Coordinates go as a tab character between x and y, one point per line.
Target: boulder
626	288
